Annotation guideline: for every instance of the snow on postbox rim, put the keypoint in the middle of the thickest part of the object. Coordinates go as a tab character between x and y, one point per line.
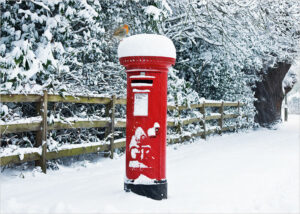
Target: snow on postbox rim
143	48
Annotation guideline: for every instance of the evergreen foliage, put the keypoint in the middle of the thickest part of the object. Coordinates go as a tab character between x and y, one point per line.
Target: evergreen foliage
66	47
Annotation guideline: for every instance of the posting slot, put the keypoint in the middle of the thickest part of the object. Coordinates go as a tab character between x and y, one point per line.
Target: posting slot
141	82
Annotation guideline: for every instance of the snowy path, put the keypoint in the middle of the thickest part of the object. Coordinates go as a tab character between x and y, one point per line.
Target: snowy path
256	172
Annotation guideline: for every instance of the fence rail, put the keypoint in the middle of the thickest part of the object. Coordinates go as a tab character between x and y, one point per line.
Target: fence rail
39	125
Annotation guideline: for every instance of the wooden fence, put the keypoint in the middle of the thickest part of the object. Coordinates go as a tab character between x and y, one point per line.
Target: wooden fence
39	124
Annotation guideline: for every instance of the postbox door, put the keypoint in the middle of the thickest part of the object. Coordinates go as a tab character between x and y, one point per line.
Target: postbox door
146	128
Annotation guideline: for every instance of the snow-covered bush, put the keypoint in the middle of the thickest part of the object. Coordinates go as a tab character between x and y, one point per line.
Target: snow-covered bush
66	47
223	47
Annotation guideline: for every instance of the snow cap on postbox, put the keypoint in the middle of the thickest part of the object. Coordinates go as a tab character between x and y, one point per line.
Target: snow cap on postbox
147	45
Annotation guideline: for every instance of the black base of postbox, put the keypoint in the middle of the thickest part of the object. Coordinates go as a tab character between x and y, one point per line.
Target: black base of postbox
156	191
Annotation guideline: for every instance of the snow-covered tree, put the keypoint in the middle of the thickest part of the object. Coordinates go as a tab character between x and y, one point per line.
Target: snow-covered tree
225	47
67	47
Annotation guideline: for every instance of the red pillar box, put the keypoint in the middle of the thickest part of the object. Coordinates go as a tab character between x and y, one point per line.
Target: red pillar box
146	58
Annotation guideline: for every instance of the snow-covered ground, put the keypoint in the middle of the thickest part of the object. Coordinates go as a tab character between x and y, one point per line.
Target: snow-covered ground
248	172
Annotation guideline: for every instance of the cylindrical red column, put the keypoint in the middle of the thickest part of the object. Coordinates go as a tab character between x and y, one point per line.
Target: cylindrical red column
146	122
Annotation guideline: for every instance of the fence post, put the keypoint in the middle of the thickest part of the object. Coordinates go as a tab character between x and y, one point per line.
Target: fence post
112	125
179	130
41	136
202	111
108	114
221	111
285	108
239	114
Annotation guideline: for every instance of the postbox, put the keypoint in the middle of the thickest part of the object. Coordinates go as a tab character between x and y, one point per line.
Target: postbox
147	58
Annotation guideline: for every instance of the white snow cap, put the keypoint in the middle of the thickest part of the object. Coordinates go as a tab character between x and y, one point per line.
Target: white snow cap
147	45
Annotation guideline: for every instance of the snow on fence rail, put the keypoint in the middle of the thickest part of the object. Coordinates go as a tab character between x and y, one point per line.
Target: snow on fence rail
39	124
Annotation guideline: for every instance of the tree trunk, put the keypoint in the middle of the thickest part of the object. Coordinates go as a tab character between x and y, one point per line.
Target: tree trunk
269	94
